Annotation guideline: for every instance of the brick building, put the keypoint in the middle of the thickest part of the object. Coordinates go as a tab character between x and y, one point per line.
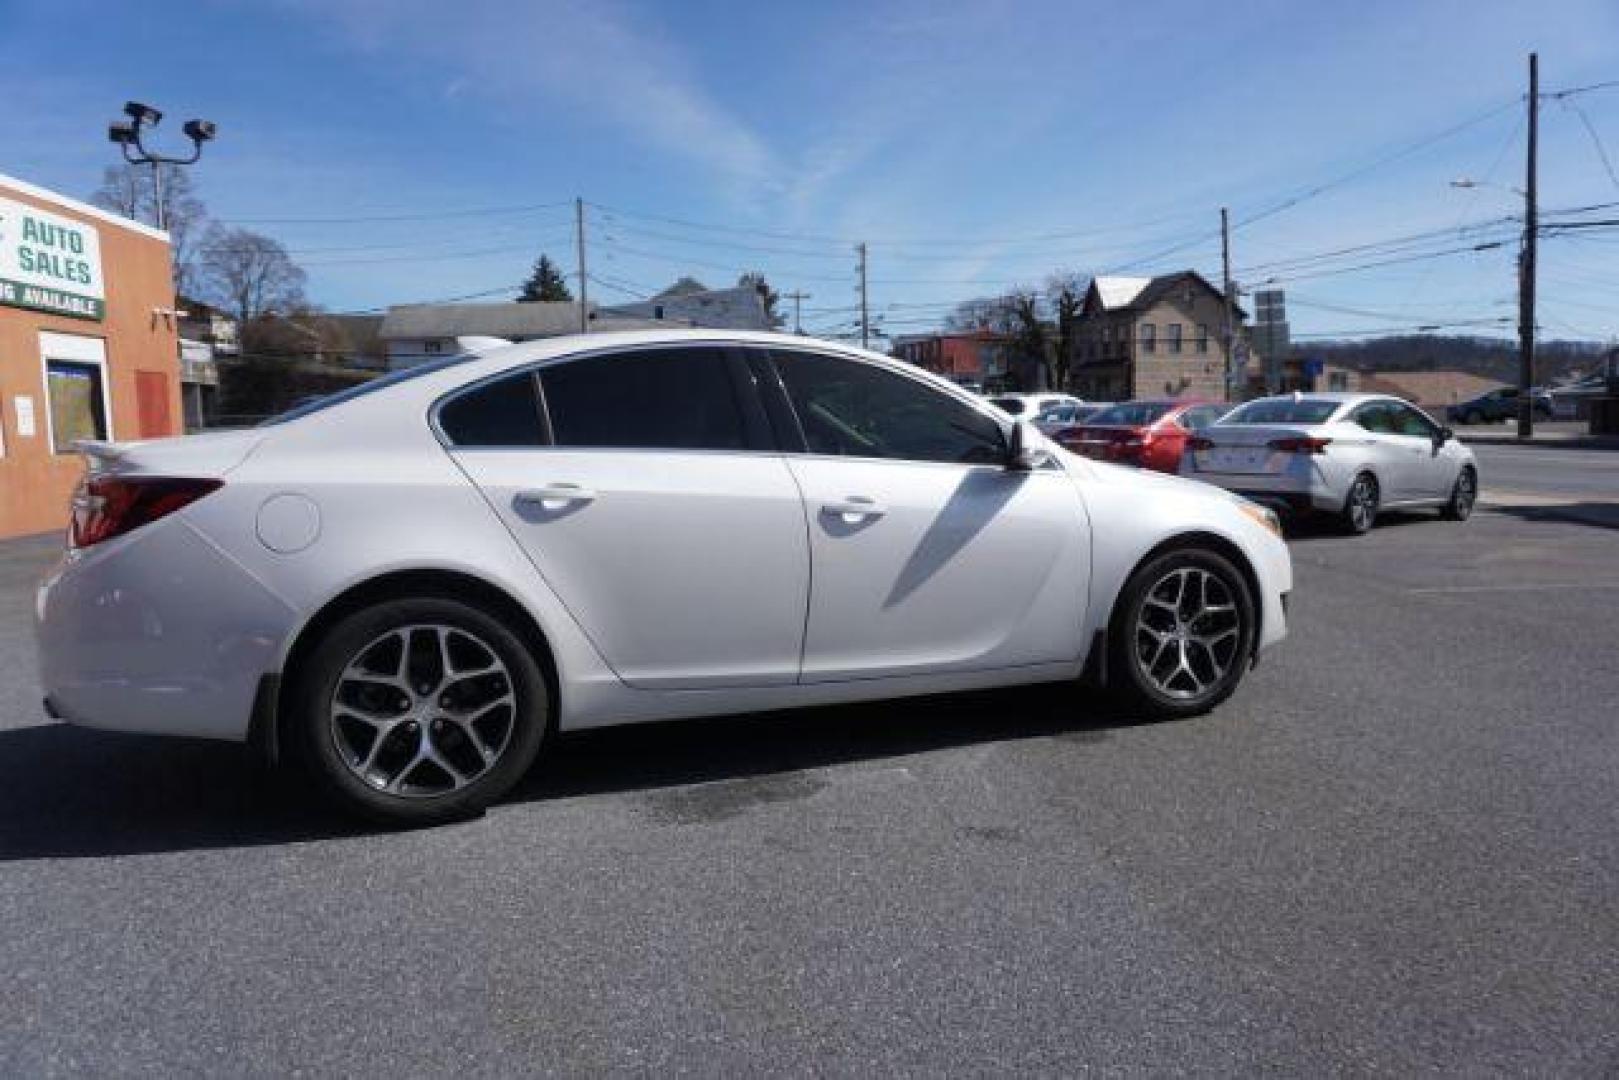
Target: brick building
88	347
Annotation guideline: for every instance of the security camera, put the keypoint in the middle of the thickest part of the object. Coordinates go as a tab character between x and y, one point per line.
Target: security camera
121	132
142	114
199	131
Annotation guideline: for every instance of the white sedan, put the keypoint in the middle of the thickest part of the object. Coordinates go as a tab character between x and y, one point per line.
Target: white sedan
1351	455
413	585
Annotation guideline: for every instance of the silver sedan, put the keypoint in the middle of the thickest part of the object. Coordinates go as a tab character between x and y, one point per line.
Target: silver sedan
1346	454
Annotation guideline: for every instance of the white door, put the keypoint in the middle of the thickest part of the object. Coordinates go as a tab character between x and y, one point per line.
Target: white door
1391	455
1433	472
671	533
927	554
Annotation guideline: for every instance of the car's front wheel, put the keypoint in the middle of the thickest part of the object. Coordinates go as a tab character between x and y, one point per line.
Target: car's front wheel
1360	505
1183	633
420	710
1463	496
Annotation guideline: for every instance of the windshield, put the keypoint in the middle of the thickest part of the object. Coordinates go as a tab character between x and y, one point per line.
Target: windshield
382	382
1283	411
1130	414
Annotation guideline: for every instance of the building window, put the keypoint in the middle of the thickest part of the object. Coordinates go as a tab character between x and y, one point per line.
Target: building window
1338	380
1174	333
432	348
1149	337
77	402
657	311
1202	337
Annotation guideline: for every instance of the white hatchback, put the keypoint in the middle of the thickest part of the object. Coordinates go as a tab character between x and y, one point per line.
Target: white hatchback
412	585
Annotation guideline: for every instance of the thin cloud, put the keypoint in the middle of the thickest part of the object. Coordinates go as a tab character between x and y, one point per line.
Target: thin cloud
589	57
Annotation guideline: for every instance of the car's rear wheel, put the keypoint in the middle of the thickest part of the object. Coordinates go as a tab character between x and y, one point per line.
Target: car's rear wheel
1183	633
1463	496
1360	506
420	710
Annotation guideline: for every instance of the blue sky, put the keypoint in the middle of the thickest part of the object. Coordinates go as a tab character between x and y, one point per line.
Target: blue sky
974	146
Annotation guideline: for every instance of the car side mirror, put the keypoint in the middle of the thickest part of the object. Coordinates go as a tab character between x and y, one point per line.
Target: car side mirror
1026	448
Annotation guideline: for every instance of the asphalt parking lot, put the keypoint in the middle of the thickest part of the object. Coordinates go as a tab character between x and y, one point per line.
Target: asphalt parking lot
1396	850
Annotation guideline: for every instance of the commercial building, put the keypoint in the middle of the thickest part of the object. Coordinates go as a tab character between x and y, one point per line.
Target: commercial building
966	356
417	333
88	345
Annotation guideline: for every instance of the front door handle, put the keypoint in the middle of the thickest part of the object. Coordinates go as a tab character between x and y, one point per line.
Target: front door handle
555	493
854	508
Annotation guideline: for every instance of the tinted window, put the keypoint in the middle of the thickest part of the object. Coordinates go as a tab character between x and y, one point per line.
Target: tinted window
1130	414
1282	411
1012	405
505	412
1200	417
860	410
668	399
1408	421
1375	418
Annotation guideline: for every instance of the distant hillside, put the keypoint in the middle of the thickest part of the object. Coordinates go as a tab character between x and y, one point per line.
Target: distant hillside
1495	358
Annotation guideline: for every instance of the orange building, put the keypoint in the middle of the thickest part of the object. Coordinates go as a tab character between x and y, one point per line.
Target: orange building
88	346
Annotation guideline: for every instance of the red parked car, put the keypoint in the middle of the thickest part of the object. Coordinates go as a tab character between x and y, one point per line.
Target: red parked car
1150	434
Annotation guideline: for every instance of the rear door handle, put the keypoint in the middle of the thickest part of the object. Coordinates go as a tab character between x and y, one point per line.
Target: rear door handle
556	493
854	506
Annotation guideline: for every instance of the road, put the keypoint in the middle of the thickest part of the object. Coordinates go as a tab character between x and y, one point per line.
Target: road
1396	850
1548	469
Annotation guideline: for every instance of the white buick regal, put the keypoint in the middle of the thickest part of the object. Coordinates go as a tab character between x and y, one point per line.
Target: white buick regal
412	585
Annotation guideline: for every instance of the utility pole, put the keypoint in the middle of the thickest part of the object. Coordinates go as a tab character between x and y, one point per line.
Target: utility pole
1526	266
159	211
579	229
865	312
1228	323
797	297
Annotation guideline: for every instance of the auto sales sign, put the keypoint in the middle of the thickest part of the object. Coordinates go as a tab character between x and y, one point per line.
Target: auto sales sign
49	263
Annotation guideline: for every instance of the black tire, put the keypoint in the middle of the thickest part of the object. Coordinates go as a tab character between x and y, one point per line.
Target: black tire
1360	505
518	728
1463	496
1132	643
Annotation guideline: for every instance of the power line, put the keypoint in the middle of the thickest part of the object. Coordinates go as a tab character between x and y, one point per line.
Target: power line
489	211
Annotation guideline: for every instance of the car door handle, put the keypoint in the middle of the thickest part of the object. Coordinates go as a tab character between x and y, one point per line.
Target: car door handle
855	506
555	493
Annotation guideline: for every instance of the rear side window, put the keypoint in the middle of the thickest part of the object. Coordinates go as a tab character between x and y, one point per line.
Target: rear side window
665	399
1200	417
503	412
1283	411
853	409
1131	414
1377	418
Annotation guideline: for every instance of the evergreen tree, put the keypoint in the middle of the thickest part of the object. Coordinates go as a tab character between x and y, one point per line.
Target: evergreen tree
545	283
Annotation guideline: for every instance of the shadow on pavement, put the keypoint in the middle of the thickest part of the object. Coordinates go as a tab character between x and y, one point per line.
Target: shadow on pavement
67	792
1328	527
1598	515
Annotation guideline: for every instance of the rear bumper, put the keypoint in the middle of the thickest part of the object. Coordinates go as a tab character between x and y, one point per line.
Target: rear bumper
158	632
1300	489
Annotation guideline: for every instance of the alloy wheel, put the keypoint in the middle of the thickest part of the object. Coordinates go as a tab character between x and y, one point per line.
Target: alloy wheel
1466	493
1187	633
422	711
1362	503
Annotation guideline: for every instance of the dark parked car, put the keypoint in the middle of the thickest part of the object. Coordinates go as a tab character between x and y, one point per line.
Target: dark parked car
1496	406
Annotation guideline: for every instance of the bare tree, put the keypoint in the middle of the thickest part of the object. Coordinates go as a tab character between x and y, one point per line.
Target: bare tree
249	275
130	190
1065	292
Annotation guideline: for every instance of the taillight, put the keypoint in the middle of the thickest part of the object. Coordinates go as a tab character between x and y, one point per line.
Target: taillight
109	506
1302	445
